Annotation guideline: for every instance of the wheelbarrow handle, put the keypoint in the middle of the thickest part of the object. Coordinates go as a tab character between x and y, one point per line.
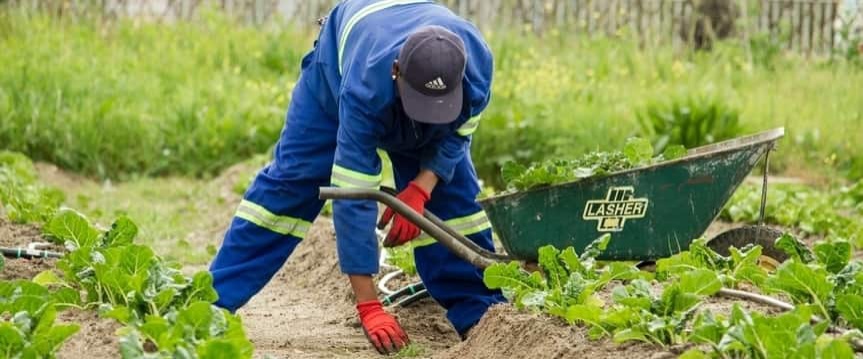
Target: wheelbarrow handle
429	223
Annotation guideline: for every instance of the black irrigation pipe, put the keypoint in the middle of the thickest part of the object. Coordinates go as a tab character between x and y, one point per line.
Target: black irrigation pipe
409	291
27	253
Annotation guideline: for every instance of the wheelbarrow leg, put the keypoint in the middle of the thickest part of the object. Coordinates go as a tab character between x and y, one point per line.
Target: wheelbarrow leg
764	187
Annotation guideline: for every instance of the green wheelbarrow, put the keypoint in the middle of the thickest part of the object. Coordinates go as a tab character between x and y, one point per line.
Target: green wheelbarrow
651	212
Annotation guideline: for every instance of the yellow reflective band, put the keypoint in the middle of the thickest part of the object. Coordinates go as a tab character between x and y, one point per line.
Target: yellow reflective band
346	178
469	127
260	216
366	11
465	226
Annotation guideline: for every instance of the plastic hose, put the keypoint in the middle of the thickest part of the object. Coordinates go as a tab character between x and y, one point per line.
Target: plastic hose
382	284
28	253
409	291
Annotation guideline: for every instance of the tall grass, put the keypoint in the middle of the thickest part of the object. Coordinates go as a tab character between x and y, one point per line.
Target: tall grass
110	99
113	99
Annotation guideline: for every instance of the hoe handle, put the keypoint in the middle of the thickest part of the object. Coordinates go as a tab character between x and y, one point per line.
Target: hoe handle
430	224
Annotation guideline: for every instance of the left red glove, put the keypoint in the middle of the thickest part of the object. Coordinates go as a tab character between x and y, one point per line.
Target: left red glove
382	330
403	230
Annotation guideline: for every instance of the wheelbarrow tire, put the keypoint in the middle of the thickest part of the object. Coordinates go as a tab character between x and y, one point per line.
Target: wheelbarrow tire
741	237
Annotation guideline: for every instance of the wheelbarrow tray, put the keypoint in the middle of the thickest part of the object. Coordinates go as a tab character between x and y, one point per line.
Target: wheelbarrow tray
651	212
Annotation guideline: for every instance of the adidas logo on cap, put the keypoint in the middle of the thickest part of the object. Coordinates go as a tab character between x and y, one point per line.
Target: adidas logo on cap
436	84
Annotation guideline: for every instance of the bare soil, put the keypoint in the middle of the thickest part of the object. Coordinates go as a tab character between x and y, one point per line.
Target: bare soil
505	332
14	235
97	338
307	311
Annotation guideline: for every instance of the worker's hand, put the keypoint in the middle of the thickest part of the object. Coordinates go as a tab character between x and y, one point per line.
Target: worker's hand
382	330
403	230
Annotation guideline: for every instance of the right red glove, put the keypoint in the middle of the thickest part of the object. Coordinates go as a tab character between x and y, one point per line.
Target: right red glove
382	330
403	230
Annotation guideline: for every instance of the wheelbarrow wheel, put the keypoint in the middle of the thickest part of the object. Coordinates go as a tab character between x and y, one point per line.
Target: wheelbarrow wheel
763	236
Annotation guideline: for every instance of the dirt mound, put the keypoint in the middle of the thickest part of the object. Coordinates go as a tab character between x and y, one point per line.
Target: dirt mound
19	236
97	338
314	266
505	332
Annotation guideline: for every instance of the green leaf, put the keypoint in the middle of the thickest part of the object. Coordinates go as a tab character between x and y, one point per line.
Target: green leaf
707	329
67	295
794	248
555	273
572	262
835	349
694	354
676	300
630	334
46	278
12	340
123	231
119	313
510	171
701	282
204	318
219	349
803	284
674	152
850	308
511	278
834	255
638	150
71	226
746	266
596	247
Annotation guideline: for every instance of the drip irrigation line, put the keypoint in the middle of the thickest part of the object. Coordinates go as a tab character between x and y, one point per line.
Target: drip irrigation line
27	253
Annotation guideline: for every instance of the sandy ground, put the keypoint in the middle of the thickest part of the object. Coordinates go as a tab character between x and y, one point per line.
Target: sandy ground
307	310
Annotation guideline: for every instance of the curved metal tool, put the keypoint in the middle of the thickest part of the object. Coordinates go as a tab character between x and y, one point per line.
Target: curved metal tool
428	222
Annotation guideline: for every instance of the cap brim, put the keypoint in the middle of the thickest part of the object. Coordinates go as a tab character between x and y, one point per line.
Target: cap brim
430	109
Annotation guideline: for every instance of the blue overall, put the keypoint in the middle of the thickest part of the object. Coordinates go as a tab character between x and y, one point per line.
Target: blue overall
343	109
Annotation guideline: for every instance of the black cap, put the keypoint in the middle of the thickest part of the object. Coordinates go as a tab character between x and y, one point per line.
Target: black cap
431	68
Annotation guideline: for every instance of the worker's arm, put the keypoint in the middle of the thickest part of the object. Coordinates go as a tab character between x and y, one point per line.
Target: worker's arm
356	165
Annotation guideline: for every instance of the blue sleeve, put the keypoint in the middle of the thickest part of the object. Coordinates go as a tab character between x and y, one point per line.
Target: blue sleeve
357	165
479	70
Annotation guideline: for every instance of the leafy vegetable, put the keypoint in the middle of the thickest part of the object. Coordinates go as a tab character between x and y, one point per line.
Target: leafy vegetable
741	266
636	152
834	213
565	279
198	330
22	197
755	335
30	331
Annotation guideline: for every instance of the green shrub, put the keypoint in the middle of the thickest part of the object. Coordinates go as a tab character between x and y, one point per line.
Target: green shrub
690	120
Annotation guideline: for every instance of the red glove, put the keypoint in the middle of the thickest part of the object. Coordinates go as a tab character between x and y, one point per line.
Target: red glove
382	330
403	230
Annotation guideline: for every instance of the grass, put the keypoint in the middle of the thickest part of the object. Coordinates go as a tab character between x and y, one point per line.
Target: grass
126	99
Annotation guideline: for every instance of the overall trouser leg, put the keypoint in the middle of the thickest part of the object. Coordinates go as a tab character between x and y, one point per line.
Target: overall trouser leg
454	283
279	207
